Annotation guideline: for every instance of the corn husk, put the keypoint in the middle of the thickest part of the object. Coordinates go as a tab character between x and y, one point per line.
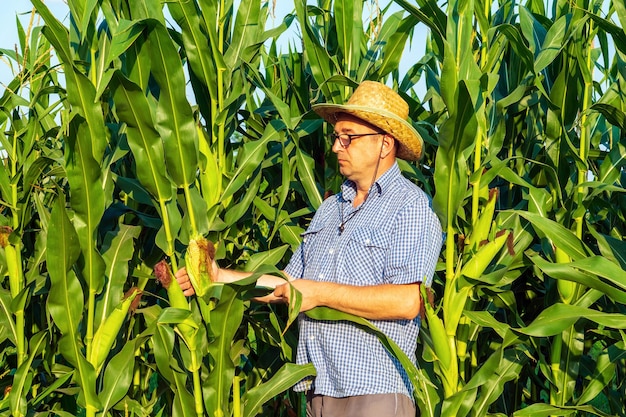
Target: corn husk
199	262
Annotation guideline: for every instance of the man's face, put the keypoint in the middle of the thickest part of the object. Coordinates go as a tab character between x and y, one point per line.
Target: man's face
357	161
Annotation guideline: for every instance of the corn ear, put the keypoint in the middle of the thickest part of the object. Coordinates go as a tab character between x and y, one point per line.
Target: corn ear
480	230
441	347
567	289
10	253
175	294
176	298
107	332
5	232
199	263
477	264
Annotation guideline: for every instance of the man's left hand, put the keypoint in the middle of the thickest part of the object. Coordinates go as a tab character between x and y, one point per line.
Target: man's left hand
309	290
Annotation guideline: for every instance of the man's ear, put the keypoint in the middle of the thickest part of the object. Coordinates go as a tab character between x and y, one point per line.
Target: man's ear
390	146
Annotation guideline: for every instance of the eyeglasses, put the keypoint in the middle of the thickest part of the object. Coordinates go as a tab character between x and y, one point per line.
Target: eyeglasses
345	139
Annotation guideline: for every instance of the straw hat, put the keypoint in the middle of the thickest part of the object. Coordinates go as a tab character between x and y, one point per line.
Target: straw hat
382	107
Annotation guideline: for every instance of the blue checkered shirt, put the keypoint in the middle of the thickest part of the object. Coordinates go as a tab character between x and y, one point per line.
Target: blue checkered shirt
393	237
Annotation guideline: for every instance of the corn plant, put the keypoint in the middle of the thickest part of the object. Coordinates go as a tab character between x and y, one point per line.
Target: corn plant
117	172
507	124
111	156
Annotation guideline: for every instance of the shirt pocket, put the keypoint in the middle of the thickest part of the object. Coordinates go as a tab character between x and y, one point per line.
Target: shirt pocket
366	256
311	244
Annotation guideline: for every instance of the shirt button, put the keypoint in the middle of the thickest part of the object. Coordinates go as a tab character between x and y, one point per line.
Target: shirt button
331	251
367	241
321	276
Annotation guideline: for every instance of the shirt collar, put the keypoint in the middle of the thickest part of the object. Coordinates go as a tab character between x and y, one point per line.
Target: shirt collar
381	185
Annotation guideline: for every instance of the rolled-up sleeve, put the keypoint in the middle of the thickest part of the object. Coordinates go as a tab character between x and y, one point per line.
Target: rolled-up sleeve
417	241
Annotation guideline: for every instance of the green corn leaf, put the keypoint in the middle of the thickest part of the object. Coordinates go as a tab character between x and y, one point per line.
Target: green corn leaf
118	250
269	257
318	58
287	376
227	317
174	117
118	375
611	286
183	401
305	166
611	248
612	166
199	40
56	33
558	234
65	300
431	15
532	30
456	138
249	159
237	211
552	44
52	388
603	374
163	341
248	28
87	199
85	373
517	43
349	24
34	174
485	319
122	37
24	376
558	317
492	376
281	107
460	404
6	317
394	46
143	139
618	34
547	410
5	182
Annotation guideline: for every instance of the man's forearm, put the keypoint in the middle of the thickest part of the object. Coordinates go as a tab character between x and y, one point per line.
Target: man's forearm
379	302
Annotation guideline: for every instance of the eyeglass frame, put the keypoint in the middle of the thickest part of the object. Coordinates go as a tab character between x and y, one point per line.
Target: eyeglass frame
352	136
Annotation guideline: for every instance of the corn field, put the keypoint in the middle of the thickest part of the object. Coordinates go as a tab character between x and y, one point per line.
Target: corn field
135	128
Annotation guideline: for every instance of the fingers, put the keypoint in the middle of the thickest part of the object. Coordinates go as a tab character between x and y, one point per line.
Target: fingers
183	281
282	291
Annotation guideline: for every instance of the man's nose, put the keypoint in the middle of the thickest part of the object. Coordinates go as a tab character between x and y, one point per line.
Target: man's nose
336	146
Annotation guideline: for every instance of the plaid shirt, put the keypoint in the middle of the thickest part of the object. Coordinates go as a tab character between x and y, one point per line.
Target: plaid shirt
393	237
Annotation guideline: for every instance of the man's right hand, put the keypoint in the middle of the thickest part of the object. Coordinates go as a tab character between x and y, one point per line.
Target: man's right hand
184	282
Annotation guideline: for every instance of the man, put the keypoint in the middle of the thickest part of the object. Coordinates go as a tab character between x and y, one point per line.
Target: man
366	252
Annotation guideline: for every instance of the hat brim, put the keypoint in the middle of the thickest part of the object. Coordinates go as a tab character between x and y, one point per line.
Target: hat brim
411	141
